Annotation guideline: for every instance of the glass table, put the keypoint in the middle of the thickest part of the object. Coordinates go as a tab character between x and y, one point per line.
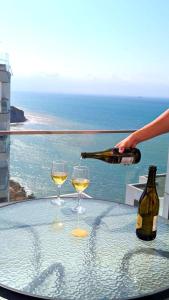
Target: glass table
41	259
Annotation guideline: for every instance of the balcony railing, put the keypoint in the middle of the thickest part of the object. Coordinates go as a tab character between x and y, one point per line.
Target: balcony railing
43	132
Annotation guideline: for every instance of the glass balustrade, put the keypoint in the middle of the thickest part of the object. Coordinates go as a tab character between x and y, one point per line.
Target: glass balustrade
31	157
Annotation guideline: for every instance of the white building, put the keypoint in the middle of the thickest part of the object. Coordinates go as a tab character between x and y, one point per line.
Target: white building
5	76
134	191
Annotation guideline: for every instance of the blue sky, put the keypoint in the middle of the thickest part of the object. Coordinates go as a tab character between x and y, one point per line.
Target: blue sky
88	46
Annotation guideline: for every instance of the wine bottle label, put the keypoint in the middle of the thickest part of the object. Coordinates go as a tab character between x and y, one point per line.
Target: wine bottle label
127	160
139	222
154	223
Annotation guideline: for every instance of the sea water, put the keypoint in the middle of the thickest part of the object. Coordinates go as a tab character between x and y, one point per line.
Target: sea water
31	156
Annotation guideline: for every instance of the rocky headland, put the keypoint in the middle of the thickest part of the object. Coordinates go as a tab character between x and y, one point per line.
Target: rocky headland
17	192
17	115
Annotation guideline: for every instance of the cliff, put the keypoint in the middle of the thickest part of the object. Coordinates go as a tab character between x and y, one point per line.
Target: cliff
16	115
17	192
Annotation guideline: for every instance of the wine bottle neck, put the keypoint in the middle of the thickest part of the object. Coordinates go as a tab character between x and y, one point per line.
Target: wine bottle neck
151	178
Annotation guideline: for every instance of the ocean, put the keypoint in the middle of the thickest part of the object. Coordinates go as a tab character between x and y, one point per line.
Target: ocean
31	156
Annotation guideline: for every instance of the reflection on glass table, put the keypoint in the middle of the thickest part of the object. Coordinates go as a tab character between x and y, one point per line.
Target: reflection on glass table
58	221
109	263
79	231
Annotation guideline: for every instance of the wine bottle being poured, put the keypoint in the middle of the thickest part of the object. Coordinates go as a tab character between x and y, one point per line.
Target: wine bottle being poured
113	156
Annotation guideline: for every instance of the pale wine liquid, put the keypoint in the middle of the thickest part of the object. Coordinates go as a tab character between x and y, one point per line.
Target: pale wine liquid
59	177
80	184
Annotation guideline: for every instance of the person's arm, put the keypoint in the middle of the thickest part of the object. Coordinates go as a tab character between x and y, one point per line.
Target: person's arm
157	127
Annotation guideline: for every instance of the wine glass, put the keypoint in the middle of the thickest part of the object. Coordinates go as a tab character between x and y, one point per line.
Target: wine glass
80	181
59	175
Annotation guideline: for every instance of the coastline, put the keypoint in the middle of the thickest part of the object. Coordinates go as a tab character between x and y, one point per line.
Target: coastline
17	192
31	155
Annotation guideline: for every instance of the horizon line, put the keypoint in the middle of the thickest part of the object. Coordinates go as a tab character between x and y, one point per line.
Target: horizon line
92	94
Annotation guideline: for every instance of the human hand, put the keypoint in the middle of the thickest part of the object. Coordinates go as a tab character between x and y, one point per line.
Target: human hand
128	142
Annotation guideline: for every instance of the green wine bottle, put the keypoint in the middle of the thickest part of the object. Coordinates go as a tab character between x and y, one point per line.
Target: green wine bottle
113	156
146	226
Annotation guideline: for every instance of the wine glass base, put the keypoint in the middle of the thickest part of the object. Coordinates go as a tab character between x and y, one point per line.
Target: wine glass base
58	202
79	209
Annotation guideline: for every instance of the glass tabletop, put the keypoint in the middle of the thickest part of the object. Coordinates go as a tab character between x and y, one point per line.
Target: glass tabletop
40	258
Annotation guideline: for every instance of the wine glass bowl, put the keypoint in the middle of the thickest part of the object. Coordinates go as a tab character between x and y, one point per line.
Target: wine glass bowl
59	175
80	181
80	184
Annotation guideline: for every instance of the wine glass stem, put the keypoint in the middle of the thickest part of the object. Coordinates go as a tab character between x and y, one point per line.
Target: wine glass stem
59	188
79	198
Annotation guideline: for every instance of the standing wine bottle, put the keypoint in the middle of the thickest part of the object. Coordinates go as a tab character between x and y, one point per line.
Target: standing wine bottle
113	156
146	226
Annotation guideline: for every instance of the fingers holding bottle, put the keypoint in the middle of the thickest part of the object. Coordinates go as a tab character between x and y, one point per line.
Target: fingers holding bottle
128	142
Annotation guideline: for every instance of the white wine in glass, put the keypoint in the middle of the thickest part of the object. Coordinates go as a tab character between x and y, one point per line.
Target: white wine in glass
80	181
59	176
